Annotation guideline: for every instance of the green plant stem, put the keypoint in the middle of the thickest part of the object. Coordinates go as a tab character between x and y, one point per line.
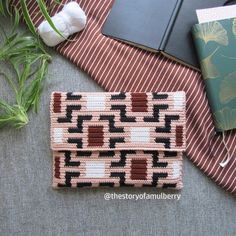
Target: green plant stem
29	60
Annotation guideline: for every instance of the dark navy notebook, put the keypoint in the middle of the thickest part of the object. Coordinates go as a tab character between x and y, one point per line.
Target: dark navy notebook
158	25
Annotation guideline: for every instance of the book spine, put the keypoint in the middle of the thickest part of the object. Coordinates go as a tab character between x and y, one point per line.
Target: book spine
170	25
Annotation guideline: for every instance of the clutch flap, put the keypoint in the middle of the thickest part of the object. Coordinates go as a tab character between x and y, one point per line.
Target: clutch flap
118	121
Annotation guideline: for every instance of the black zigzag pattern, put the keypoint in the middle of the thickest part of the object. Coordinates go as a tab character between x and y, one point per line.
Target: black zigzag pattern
69	110
155	179
167	127
155	159
124	179
170	153
113	141
106	153
159	96
68	161
121	175
106	184
80	121
83	153
156	113
85	184
77	141
68	177
122	161
120	96
70	96
123	117
166	141
111	120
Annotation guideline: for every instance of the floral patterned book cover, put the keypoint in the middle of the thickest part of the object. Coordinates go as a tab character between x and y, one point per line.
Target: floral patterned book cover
216	48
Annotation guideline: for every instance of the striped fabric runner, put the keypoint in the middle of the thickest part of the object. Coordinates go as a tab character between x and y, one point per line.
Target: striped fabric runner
119	67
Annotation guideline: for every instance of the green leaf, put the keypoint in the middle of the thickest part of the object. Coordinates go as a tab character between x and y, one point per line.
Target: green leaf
4	7
58	1
17	117
27	17
29	60
44	11
10	82
15	19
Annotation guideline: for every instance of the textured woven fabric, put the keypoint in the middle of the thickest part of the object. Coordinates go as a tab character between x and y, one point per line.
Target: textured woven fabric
118	139
116	66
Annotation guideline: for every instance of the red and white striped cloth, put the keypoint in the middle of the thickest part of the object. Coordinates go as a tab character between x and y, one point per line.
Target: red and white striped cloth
116	66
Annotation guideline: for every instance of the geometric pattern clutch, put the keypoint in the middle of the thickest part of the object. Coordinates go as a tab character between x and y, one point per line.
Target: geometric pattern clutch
118	139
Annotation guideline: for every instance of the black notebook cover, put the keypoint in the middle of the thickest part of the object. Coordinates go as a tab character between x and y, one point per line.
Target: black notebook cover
158	25
143	22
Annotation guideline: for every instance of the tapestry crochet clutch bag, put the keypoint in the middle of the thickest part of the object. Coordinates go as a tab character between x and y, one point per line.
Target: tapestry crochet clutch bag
118	139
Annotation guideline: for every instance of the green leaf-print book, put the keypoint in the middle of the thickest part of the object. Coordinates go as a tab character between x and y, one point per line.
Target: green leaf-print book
216	48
